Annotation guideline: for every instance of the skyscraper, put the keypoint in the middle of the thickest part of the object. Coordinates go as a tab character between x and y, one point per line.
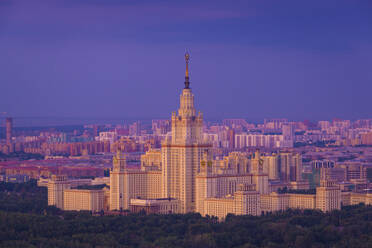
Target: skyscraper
288	135
9	127
181	153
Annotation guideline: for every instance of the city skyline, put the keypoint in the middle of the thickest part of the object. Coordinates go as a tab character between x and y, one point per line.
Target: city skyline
157	123
273	60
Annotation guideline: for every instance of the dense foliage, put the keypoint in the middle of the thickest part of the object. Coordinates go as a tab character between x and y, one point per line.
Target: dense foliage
25	198
97	186
297	191
350	227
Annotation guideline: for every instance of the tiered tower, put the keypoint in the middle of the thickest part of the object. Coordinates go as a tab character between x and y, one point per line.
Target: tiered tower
181	154
328	196
56	185
117	181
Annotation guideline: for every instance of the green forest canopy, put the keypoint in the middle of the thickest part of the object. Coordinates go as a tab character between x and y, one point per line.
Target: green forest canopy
27	221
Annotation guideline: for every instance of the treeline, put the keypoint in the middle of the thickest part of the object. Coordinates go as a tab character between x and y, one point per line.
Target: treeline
297	191
350	227
25	198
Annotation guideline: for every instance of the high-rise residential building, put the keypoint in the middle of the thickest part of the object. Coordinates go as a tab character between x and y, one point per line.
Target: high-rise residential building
95	130
259	140
110	137
288	135
161	127
296	169
274	123
9	130
181	153
56	186
285	164
135	129
231	138
324	125
290	167
271	166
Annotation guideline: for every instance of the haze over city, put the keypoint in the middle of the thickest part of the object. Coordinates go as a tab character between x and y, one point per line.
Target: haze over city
123	59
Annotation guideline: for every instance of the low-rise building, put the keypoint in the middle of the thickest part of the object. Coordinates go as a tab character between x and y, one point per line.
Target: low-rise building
83	199
246	201
155	206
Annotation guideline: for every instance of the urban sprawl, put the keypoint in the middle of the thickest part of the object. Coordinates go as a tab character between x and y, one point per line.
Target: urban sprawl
187	165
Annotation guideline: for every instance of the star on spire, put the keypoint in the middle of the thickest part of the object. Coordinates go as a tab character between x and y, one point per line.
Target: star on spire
187	59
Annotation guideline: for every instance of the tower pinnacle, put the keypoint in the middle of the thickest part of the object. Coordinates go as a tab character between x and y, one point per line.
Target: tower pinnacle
187	82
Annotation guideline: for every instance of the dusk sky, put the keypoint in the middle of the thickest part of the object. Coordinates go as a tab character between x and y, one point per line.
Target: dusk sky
125	59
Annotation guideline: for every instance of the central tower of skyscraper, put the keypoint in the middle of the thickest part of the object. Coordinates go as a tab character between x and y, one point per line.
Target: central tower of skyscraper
181	153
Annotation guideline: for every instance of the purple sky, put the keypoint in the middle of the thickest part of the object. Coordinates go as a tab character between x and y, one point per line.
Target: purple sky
124	59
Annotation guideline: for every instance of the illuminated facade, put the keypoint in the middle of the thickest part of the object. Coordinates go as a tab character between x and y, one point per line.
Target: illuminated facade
328	196
56	186
155	206
184	177
246	201
181	153
117	182
151	160
222	184
80	199
127	184
280	202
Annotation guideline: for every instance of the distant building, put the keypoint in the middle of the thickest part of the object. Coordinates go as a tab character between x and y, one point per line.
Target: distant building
14	178
135	129
290	167
161	127
366	138
109	137
258	140
288	135
9	130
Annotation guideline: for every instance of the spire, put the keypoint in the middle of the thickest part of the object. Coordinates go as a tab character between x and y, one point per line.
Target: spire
187	82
